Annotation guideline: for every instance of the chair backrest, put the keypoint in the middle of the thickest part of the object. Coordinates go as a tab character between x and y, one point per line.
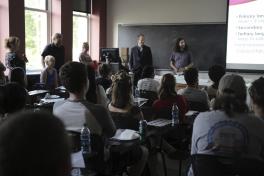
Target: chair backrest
96	162
150	95
198	106
208	165
164	113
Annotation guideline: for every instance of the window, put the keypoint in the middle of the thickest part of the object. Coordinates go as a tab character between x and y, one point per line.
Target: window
36	31
80	33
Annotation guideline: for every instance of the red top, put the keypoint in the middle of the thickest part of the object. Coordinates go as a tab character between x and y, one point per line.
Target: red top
158	105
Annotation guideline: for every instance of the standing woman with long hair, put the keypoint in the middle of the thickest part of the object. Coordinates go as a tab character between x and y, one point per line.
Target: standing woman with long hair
13	57
181	58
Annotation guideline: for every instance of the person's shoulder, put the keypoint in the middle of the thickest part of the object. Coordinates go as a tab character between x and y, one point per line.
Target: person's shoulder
94	108
205	116
57	105
180	92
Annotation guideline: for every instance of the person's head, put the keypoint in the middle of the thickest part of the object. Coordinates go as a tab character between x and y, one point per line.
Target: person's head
57	39
34	144
167	88
256	92
231	94
18	75
148	72
180	45
121	90
73	76
140	40
85	47
12	43
215	73
191	77
104	70
15	97
49	61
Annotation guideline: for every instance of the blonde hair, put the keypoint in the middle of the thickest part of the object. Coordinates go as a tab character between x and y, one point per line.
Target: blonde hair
56	36
12	43
48	59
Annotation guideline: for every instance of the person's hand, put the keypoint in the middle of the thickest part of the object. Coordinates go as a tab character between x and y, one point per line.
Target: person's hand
24	58
181	70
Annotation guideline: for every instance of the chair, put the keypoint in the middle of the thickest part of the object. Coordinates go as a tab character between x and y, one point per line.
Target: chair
208	165
180	138
198	106
97	161
150	95
148	112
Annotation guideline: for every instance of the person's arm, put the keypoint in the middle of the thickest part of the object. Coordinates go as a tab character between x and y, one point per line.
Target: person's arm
44	54
56	78
131	60
104	119
150	57
42	61
190	65
173	66
43	77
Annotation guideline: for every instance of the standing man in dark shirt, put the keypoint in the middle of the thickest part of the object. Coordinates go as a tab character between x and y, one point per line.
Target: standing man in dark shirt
140	57
55	49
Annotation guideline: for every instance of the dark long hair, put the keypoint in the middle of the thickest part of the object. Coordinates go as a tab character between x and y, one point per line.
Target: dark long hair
167	88
177	47
121	90
256	92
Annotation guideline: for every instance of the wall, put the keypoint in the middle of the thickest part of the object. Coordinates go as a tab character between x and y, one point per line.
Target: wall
161	11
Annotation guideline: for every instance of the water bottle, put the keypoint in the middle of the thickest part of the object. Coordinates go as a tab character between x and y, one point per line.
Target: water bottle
85	140
142	129
174	115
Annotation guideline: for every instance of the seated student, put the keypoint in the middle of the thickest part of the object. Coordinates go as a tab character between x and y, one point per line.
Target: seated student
104	79
75	111
256	92
168	96
229	130
96	93
18	75
15	98
147	81
2	74
127	116
49	75
124	113
34	144
215	73
192	93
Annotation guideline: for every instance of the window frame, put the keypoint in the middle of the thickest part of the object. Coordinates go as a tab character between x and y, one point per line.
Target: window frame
87	16
48	13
